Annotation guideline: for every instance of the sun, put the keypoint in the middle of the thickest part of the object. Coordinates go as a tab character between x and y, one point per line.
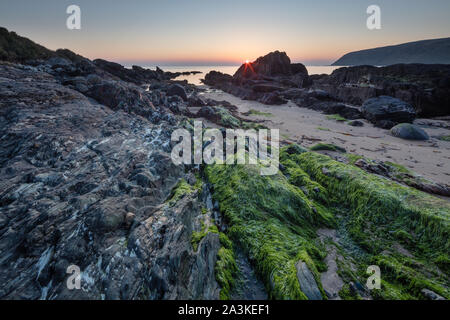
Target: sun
247	61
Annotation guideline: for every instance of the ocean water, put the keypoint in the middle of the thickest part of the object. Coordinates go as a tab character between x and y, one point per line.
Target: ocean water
195	78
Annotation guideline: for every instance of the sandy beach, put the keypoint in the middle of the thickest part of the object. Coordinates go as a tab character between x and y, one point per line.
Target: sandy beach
431	159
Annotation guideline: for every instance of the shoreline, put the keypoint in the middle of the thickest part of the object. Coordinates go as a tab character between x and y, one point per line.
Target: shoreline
308	127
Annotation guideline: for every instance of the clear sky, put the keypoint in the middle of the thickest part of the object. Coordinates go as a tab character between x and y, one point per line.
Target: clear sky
223	31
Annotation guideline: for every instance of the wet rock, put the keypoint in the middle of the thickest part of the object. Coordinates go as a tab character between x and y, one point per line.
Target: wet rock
307	282
388	108
430	295
409	132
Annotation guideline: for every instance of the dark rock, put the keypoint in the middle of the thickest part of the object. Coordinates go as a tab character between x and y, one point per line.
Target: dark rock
135	75
196	101
273	64
409	132
425	87
177	90
272	99
356	123
385	124
266	87
121	95
215	78
388	108
71	196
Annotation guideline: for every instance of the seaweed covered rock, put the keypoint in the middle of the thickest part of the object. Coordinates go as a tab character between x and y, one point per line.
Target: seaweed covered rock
273	221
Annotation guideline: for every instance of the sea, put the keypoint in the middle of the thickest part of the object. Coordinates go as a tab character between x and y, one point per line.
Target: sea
195	78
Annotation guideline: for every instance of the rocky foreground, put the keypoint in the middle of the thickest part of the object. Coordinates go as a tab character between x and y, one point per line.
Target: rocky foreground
87	180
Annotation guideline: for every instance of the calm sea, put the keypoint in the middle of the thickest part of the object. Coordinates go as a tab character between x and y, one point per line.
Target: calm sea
195	78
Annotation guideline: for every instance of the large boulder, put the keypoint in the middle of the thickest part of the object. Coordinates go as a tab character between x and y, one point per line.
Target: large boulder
274	64
388	108
409	132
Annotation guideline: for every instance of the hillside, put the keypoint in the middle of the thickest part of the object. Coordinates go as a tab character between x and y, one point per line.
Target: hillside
15	48
436	51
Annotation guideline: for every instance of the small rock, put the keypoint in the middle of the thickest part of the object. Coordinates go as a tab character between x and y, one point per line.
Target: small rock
129	218
307	282
356	123
431	295
409	132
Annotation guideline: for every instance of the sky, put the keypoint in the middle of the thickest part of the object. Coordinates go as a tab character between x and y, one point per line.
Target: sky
218	32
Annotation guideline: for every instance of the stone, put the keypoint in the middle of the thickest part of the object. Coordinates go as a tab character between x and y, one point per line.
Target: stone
430	295
409	131
388	108
177	90
356	123
307	282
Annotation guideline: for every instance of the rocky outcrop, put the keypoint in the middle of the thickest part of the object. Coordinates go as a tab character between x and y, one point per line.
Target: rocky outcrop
84	182
274	64
425	87
262	80
135	75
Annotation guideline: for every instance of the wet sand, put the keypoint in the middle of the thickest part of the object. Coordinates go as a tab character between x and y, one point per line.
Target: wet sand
431	159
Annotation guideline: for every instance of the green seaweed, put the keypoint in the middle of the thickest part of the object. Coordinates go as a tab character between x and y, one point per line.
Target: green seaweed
327	147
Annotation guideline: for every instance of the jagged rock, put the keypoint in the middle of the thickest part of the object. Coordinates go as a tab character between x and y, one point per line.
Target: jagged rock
273	64
136	75
69	195
409	132
263	79
388	108
122	95
307	282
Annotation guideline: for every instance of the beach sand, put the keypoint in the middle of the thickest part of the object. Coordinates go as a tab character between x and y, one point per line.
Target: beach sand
431	159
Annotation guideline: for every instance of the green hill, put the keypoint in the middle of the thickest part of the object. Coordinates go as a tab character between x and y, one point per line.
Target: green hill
436	51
